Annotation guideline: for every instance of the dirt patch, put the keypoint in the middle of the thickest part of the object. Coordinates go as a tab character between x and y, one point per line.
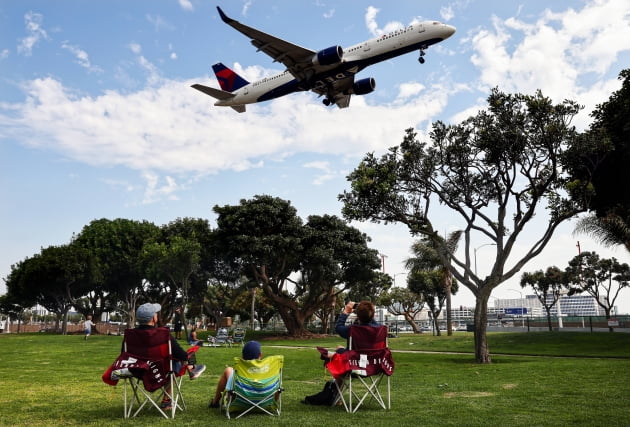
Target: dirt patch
470	394
509	386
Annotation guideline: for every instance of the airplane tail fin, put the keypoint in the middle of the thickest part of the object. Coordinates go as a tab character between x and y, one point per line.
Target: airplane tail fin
228	79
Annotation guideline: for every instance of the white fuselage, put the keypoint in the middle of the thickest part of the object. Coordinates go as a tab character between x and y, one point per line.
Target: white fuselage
355	58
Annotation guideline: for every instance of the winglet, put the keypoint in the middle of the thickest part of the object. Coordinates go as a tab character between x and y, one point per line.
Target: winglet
224	17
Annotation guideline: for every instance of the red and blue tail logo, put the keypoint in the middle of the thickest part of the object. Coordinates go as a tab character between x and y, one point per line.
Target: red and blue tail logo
228	79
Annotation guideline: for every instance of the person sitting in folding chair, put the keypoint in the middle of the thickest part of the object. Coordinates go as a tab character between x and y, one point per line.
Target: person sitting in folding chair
223	338
252	383
360	370
150	341
339	366
192	337
365	315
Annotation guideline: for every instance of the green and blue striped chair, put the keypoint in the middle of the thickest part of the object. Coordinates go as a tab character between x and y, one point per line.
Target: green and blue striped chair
256	384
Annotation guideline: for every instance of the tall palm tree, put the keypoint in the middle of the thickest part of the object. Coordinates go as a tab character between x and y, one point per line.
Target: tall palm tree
610	230
426	257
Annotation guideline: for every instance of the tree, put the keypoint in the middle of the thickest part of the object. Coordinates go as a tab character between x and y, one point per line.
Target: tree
17	299
299	267
56	277
373	289
610	132
611	126
403	302
426	258
169	266
264	234
610	230
495	170
429	283
546	286
588	273
116	246
335	259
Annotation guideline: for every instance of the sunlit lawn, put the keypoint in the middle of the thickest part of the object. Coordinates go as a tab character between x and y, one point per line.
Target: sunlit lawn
55	380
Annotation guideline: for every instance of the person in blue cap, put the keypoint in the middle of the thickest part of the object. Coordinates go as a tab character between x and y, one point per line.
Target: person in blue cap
251	351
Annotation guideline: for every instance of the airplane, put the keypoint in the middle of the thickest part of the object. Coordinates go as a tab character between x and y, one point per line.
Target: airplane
328	72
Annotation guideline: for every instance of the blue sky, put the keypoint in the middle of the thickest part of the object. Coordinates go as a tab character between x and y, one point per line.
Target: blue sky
98	120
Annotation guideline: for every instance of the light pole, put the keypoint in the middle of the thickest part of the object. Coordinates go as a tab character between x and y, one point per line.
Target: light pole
383	256
475	251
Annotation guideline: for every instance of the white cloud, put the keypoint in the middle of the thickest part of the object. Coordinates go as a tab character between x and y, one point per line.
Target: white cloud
406	90
370	20
170	129
81	57
186	5
135	48
246	7
373	27
153	73
447	13
329	14
159	23
4	54
155	191
327	172
35	32
555	53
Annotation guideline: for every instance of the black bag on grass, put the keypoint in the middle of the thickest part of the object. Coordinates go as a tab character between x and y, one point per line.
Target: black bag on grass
325	397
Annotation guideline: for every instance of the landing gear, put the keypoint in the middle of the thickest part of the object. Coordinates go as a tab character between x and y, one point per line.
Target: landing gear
422	53
326	102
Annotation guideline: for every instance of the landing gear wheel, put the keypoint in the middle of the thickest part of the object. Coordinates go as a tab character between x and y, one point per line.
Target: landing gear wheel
422	53
326	102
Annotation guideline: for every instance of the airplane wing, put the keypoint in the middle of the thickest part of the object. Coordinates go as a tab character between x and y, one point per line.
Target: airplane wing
337	92
296	58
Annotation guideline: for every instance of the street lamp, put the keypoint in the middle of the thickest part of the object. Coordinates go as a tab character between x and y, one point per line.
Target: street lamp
475	251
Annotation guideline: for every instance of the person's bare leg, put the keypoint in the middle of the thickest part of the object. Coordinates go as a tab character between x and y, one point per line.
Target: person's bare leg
222	383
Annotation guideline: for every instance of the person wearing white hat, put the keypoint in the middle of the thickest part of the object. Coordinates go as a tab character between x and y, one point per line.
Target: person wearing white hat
147	318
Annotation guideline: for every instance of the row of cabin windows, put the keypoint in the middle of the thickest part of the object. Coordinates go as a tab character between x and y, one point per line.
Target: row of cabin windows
268	79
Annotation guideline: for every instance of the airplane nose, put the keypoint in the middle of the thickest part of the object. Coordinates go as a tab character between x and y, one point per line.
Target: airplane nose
449	30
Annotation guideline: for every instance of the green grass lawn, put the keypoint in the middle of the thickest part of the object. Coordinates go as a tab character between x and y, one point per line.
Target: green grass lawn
536	379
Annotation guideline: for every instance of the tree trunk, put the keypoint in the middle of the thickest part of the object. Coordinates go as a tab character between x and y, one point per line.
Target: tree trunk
482	353
64	324
449	320
409	319
293	321
610	328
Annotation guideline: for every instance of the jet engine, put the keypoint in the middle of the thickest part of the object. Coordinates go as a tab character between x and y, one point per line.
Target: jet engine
363	86
328	56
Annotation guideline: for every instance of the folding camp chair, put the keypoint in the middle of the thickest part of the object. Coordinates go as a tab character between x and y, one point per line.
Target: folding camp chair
360	370
238	337
223	338
146	367
255	384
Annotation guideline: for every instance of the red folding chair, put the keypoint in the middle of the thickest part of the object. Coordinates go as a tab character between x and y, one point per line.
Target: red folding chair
360	370
146	367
